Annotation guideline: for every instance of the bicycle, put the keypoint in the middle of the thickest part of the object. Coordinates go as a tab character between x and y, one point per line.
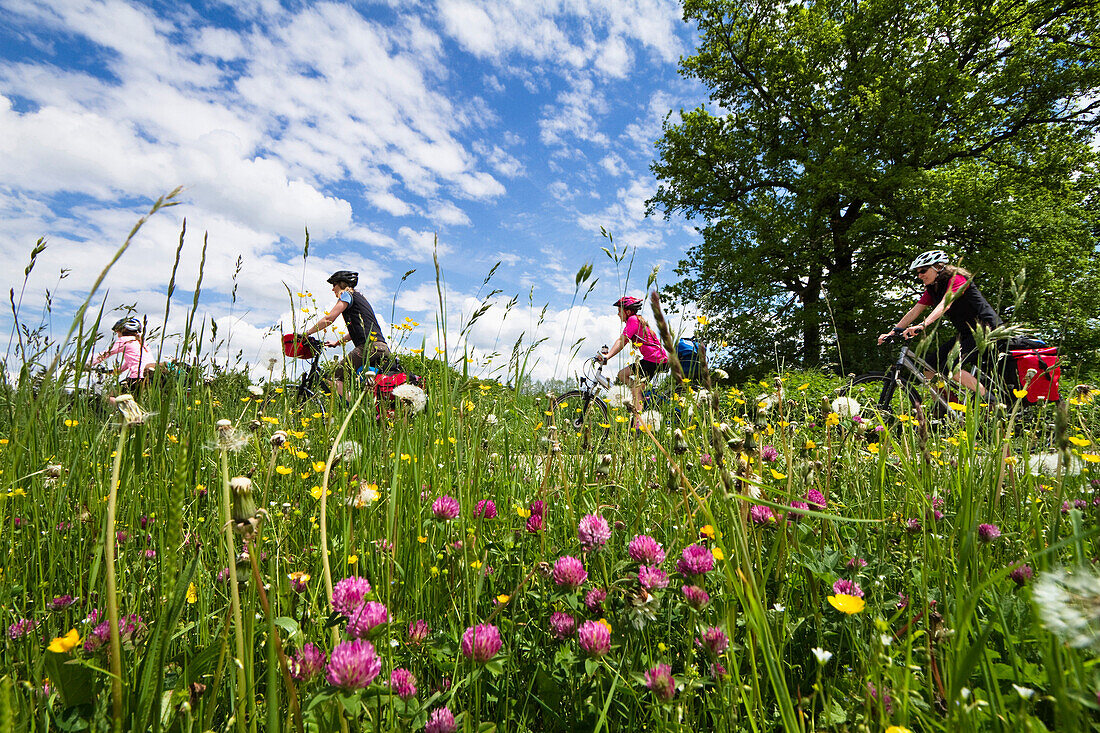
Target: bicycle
580	416
310	391
902	391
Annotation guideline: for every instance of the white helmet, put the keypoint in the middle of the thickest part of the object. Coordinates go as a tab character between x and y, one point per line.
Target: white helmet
927	259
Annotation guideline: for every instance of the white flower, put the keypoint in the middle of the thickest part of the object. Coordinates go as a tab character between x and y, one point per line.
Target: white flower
1046	464
845	406
411	395
779	607
349	450
886	639
702	396
368	494
650	420
255	391
618	395
719	374
823	656
490	419
1024	692
1069	605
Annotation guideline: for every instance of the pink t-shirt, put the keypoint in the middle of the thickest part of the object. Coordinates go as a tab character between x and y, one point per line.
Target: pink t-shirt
135	357
646	341
927	298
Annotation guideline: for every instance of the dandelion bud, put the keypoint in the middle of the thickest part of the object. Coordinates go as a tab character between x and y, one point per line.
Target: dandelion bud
53	470
223	425
246	518
255	425
603	468
679	444
278	438
131	411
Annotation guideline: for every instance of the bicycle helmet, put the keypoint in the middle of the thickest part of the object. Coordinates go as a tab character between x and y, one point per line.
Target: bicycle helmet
127	325
930	258
344	276
628	302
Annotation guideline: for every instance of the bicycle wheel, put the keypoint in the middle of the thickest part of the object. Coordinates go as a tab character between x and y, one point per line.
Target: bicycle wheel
887	402
581	420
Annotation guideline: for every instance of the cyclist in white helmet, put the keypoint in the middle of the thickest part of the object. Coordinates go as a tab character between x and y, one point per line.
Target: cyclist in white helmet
949	289
135	360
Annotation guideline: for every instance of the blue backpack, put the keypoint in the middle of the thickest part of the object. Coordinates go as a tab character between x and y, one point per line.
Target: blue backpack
692	356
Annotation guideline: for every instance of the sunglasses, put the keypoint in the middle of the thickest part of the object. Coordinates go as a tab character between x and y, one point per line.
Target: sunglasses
923	270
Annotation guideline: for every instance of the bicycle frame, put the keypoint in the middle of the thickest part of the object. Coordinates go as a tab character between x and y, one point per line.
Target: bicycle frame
910	366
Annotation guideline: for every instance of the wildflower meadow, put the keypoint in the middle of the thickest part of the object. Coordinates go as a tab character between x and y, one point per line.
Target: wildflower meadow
214	554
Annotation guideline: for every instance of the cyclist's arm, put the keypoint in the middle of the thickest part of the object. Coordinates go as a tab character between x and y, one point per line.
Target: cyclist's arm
619	345
328	319
903	324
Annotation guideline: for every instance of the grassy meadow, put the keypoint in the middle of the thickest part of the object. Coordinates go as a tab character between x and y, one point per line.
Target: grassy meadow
218	556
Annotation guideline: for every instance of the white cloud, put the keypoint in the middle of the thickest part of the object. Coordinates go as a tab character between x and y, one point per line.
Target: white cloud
419	246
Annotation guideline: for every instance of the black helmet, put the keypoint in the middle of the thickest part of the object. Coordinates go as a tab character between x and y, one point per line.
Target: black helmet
127	325
344	276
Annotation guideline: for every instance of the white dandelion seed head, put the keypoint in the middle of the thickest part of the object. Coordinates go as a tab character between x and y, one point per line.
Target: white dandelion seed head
349	450
255	390
618	395
1068	605
845	407
411	395
650	420
1048	464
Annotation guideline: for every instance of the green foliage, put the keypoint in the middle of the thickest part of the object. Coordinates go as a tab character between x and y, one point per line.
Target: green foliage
843	138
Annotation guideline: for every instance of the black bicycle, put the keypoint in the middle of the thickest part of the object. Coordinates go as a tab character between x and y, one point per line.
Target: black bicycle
310	390
903	392
580	418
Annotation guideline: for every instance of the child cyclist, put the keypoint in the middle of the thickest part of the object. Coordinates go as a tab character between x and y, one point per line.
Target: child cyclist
135	360
638	333
362	325
952	293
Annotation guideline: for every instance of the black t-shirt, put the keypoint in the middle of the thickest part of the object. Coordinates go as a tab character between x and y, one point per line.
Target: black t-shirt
360	319
967	309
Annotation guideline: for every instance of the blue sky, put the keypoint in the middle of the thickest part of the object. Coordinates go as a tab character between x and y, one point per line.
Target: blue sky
512	131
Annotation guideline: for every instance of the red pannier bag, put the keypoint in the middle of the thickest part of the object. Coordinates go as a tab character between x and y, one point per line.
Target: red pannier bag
384	385
300	347
1042	384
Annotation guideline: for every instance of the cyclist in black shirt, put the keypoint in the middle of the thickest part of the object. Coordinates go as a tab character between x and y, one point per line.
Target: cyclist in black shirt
362	325
951	290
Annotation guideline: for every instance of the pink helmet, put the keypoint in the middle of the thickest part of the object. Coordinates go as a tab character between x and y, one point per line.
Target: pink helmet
628	302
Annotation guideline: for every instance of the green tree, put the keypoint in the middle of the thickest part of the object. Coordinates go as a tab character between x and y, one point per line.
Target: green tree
842	137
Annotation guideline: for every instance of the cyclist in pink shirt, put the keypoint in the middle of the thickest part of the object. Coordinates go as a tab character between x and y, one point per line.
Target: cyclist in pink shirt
639	334
135	360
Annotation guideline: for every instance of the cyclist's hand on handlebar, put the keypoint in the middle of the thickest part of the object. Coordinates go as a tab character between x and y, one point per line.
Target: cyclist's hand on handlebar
913	331
332	344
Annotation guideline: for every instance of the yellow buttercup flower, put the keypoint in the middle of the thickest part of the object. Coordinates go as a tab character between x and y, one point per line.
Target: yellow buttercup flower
846	603
898	729
777	476
66	643
502	599
192	593
832	419
956	406
283	470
